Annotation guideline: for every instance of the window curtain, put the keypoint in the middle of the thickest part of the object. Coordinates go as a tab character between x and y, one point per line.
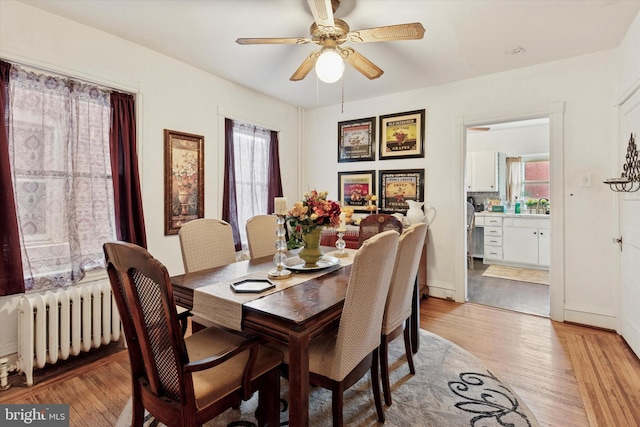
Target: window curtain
275	180
229	197
129	216
11	279
514	179
60	159
254	175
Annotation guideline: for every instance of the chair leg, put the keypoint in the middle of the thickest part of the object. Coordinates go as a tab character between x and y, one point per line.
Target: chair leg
268	412
337	404
407	348
384	369
375	383
137	410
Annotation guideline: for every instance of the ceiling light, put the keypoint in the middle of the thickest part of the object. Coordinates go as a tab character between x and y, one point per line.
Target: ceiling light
329	66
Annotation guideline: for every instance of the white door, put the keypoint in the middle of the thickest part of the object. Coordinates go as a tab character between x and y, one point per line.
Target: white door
629	316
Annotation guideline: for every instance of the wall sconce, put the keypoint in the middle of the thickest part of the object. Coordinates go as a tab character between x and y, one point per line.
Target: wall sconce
629	181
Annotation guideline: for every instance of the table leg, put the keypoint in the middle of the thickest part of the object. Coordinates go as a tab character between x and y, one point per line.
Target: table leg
414	320
298	379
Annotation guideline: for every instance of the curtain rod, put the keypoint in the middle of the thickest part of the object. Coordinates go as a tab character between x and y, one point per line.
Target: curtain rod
93	80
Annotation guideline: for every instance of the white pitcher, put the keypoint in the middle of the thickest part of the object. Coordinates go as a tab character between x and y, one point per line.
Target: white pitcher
415	214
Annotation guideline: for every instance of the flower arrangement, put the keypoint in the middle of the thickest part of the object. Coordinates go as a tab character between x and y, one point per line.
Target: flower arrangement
308	214
185	172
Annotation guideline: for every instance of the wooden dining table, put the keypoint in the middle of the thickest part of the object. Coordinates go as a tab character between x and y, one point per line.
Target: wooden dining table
293	316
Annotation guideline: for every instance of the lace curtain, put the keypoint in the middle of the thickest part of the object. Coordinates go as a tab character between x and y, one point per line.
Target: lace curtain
60	159
514	179
251	155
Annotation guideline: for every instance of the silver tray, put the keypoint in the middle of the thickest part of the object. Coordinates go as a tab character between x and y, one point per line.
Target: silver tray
297	264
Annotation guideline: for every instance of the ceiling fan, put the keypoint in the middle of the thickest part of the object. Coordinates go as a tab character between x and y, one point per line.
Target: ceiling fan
330	33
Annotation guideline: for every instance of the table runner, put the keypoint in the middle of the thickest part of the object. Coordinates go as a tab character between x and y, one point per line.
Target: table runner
218	303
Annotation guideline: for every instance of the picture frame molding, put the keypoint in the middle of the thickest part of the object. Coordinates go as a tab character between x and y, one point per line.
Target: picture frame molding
366	125
387	120
370	175
183	199
383	177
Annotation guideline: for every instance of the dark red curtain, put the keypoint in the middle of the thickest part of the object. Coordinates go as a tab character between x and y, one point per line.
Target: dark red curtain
275	181
124	165
229	197
11	277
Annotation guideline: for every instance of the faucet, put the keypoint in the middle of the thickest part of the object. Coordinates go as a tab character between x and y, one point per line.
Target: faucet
542	203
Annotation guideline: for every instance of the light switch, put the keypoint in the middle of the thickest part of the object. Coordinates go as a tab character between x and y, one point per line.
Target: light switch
585	180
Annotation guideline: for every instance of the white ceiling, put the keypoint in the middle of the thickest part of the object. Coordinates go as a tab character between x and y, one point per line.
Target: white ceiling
463	39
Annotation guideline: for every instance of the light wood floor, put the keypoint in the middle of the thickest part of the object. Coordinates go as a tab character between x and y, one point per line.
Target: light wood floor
569	376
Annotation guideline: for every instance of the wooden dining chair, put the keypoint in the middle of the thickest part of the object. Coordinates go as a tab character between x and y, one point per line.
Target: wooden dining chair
377	223
184	381
261	235
471	223
337	360
206	243
398	306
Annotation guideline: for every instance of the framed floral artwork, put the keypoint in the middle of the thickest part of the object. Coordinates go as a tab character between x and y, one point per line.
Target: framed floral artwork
398	186
184	179
353	188
401	135
356	140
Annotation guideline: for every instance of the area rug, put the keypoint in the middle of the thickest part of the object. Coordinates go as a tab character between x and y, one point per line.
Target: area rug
519	274
451	388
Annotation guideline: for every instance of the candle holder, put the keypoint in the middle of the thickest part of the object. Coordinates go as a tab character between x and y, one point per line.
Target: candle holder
340	245
629	181
280	259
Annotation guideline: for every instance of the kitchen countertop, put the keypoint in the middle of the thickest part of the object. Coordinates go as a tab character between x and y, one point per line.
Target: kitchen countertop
512	214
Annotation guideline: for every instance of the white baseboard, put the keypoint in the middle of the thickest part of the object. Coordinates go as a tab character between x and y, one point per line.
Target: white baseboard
444	290
590	316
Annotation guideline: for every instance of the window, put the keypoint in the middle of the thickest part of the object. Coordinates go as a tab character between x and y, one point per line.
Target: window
536	177
251	148
60	159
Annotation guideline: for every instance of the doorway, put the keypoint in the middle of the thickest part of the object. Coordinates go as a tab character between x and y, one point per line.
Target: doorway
513	275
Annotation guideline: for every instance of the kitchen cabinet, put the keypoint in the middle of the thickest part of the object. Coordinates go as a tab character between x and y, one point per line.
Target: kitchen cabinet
482	171
526	241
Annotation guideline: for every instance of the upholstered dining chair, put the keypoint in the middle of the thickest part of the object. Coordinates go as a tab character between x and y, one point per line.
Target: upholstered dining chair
398	306
261	235
206	243
376	223
337	360
184	381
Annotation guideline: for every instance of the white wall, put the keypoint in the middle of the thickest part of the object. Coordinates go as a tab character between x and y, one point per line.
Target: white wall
511	141
585	84
172	95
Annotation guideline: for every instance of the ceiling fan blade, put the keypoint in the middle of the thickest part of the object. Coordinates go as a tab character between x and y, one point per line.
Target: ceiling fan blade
305	67
413	31
360	63
289	40
322	13
480	128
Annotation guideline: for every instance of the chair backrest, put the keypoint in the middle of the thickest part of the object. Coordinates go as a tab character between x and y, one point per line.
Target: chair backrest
261	235
143	294
361	320
405	270
470	215
377	223
206	243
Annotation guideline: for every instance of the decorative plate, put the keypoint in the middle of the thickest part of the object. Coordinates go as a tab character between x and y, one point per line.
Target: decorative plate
297	264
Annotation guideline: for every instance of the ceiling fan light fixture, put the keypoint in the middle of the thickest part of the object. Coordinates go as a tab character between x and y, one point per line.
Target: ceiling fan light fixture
329	66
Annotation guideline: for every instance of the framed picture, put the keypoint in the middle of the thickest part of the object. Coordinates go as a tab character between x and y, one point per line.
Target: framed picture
184	179
353	188
356	140
398	186
402	135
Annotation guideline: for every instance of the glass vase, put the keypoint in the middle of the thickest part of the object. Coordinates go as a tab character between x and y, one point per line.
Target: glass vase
310	252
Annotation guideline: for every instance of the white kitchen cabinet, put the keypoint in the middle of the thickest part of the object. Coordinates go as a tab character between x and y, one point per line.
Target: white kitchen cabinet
482	171
493	242
526	241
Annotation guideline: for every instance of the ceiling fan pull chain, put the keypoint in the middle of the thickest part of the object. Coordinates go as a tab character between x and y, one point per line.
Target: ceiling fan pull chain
342	83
